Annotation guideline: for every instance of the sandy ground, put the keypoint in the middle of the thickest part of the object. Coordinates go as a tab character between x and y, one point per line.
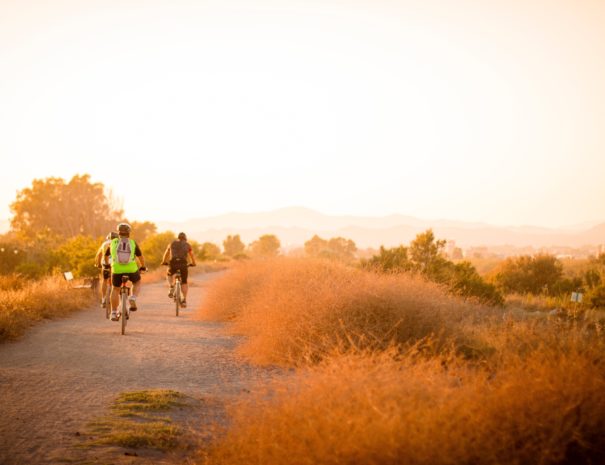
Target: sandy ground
63	374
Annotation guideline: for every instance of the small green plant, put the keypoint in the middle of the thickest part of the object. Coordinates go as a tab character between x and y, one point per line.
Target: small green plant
138	420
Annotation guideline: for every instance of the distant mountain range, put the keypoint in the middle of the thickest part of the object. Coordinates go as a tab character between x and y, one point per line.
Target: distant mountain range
296	225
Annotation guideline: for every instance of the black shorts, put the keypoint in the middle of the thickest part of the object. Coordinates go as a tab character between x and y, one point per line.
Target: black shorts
116	279
177	264
106	273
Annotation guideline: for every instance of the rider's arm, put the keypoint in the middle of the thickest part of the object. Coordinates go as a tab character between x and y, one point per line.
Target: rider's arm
166	253
98	258
139	255
192	256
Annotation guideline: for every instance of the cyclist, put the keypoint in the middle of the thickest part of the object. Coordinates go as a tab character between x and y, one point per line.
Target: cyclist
124	253
105	268
177	253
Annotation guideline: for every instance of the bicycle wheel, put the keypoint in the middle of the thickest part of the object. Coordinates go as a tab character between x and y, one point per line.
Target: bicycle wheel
177	296
108	304
124	307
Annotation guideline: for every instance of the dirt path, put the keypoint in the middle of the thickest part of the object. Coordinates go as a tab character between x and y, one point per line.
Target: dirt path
65	373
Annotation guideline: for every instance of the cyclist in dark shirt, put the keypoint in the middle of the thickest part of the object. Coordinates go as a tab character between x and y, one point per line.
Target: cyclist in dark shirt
177	252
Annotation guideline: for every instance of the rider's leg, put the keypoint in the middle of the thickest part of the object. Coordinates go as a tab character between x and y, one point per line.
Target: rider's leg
115	298
184	290
136	288
104	284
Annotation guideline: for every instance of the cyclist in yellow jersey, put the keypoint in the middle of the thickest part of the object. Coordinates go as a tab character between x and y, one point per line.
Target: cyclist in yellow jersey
124	253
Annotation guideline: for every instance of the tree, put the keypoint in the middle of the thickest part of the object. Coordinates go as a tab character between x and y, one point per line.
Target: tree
54	208
233	246
336	248
390	260
77	255
266	246
529	274
141	230
424	256
425	252
11	256
154	246
209	251
315	246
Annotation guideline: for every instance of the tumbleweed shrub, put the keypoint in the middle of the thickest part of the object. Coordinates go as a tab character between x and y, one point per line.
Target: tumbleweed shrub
294	311
537	403
28	302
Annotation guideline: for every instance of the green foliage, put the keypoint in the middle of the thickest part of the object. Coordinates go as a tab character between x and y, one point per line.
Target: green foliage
141	230
425	252
11	256
336	248
424	256
266	246
209	251
390	260
529	274
52	208
154	246
595	297
463	280
233	246
77	255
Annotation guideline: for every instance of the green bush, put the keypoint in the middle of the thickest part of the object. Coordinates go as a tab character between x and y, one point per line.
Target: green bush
77	255
424	256
154	246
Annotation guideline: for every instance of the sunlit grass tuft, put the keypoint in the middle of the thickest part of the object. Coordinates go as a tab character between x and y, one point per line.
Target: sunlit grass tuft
296	311
541	403
24	302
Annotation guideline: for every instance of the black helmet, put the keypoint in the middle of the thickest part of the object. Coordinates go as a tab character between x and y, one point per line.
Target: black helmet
182	236
112	235
124	229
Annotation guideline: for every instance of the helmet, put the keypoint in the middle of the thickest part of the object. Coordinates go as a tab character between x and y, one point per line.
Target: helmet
124	229
112	235
182	236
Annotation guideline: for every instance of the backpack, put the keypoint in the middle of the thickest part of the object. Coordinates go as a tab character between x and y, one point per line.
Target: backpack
179	250
124	251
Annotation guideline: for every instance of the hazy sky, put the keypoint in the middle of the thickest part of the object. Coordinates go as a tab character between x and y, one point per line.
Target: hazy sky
475	110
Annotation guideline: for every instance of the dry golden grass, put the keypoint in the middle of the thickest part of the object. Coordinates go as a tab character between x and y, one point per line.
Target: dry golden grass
541	402
24	302
499	390
295	311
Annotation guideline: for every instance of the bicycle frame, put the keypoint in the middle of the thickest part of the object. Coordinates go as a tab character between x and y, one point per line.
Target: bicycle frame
177	291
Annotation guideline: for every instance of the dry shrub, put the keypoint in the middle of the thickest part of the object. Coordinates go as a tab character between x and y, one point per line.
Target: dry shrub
11	281
28	302
541	405
295	311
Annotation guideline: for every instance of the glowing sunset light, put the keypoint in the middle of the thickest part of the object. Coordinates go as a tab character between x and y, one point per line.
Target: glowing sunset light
477	111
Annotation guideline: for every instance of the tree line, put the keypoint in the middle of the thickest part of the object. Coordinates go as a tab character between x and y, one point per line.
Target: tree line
59	225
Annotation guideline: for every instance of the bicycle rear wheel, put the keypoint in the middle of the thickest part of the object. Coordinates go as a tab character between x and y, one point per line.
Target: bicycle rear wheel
124	309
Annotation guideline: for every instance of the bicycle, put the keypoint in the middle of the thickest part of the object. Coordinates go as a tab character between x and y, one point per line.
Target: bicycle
124	308
178	292
107	296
